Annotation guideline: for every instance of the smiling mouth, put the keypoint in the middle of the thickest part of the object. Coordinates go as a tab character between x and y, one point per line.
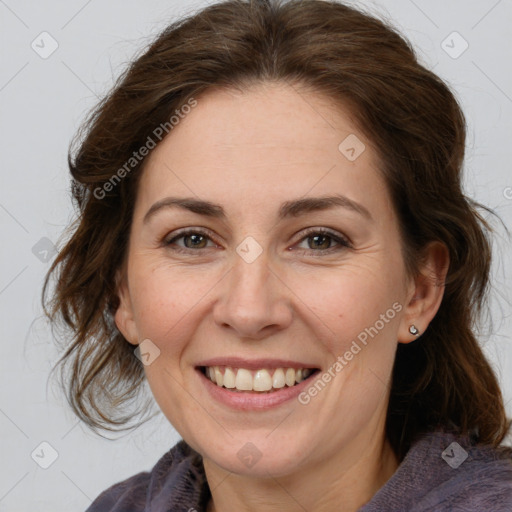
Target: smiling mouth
263	380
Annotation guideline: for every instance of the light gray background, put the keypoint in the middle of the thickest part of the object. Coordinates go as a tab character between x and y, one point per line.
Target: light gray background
42	102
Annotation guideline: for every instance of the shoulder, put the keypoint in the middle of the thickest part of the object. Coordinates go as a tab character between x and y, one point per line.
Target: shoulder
445	472
128	495
470	477
178	474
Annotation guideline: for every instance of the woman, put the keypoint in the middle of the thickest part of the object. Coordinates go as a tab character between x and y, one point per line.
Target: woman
273	233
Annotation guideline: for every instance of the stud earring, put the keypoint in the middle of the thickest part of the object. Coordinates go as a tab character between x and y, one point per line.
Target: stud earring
413	330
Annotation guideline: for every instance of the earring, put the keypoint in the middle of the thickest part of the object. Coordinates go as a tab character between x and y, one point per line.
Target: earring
413	330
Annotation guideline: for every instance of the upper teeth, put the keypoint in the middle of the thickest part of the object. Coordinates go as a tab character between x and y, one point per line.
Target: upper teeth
260	380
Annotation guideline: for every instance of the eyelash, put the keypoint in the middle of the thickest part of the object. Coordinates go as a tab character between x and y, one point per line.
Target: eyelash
343	242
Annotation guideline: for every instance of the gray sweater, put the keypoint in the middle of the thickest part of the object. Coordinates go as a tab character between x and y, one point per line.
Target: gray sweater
435	475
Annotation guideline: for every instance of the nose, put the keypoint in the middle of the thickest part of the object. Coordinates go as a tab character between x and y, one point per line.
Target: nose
254	300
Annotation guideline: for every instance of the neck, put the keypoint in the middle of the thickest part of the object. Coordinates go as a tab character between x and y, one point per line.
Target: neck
330	484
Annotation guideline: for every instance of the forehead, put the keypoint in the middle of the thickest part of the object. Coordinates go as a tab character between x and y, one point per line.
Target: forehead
261	144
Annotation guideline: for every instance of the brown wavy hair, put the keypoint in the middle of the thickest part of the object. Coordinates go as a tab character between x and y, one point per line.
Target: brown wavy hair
442	380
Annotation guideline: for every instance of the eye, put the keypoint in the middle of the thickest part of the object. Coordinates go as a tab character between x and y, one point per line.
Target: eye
192	239
320	240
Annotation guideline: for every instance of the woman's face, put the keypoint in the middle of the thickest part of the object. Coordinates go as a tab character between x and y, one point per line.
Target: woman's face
270	280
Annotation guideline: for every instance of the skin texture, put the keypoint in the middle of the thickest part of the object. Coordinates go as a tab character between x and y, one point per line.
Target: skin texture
251	151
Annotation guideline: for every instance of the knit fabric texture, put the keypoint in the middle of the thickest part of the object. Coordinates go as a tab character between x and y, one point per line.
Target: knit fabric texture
441	472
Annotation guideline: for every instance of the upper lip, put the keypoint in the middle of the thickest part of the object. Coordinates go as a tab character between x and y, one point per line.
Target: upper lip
255	364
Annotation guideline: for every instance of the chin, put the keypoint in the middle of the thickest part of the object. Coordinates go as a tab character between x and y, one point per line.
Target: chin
260	457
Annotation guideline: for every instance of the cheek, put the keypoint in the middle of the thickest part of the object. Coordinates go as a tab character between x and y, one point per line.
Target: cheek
168	309
167	301
348	300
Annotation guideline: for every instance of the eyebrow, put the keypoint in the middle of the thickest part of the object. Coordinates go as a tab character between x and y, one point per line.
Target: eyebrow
288	209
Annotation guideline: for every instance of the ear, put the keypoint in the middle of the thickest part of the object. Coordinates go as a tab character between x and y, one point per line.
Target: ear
123	316
426	292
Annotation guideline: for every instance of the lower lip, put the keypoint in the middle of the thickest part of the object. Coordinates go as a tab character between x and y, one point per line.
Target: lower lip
254	401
